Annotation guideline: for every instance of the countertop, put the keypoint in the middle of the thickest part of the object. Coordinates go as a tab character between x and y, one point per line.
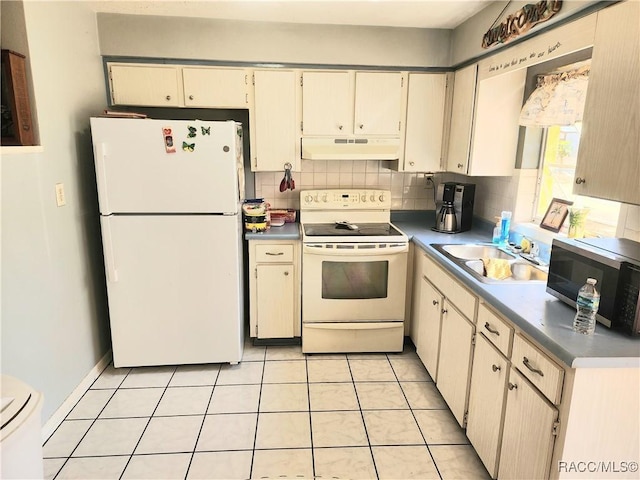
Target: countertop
541	316
288	231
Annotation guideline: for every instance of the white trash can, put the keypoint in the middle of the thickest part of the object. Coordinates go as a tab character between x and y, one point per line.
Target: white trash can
20	430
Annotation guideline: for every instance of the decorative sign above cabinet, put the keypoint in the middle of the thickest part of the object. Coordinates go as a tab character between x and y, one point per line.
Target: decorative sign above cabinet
521	22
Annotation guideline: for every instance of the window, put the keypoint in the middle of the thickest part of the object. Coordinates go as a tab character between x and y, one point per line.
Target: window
555	105
556	179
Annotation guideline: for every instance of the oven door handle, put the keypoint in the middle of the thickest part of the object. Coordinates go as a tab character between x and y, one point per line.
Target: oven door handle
353	326
356	251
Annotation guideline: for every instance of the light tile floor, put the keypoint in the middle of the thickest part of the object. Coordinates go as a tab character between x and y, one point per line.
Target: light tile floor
277	414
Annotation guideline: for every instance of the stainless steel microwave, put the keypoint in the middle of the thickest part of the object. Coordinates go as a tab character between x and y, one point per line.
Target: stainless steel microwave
614	263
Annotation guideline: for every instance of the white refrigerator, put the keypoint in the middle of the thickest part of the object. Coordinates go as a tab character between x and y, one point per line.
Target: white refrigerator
169	193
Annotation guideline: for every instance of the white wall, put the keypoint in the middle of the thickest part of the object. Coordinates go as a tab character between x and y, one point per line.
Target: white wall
54	314
239	41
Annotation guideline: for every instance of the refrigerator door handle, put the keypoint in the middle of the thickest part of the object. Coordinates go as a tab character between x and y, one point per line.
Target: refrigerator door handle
101	176
109	257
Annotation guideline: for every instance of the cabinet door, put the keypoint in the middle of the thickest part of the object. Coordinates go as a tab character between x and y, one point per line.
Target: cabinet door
378	103
430	306
215	87
327	103
486	402
275	113
454	362
495	124
527	438
610	128
464	94
154	86
275	301
425	122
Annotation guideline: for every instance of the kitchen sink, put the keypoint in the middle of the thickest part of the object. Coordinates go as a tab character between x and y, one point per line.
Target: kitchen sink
520	272
473	252
469	258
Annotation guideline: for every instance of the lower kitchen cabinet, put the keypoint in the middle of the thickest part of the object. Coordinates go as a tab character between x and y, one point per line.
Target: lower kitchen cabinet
274	288
429	318
454	360
486	402
529	431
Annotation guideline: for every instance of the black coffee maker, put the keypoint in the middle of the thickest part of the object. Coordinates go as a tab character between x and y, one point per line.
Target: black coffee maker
454	207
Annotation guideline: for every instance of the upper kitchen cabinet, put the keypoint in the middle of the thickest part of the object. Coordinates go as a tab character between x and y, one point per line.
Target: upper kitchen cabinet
344	103
484	122
608	165
425	122
327	103
275	116
378	103
464	95
216	87
178	86
145	85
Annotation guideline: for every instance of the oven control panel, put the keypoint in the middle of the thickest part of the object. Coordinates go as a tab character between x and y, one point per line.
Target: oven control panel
356	199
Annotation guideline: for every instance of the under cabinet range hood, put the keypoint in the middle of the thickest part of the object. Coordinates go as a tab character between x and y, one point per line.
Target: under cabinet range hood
360	148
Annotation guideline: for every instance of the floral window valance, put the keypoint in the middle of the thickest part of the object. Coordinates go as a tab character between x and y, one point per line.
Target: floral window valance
557	100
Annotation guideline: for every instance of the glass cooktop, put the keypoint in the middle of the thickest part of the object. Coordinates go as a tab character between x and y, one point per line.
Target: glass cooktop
358	230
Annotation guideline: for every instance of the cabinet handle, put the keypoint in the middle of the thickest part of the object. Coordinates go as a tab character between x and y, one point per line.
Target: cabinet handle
580	180
488	327
512	386
412	163
435	302
460	165
339	127
286	273
190	97
361	126
443	311
275	254
525	360
168	97
495	368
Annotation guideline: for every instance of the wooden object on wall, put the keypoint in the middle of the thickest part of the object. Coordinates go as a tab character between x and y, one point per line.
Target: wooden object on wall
17	128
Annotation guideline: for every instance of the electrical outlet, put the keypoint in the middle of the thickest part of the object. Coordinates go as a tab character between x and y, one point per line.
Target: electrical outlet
60	197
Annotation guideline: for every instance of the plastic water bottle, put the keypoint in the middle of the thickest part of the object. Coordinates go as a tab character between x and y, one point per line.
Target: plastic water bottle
587	305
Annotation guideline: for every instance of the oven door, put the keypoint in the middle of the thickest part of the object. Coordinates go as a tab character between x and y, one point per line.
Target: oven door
354	282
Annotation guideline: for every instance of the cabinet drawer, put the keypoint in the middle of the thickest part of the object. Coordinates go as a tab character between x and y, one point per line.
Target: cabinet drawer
435	274
459	296
272	253
538	368
495	329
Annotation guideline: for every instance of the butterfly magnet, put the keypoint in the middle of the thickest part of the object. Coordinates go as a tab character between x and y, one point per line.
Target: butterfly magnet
188	147
193	131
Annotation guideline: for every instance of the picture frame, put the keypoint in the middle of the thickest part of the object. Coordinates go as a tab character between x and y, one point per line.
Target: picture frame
556	214
17	126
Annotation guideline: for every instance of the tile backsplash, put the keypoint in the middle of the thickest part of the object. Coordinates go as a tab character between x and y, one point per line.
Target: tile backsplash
409	191
412	191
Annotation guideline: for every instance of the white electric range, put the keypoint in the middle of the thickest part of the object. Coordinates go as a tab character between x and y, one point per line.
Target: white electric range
354	268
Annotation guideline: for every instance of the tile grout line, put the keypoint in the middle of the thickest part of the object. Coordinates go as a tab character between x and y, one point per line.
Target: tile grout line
148	422
93	421
204	418
255	434
416	420
313	458
364	424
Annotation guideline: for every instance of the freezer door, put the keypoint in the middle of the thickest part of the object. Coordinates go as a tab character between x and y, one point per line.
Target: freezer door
167	166
175	288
